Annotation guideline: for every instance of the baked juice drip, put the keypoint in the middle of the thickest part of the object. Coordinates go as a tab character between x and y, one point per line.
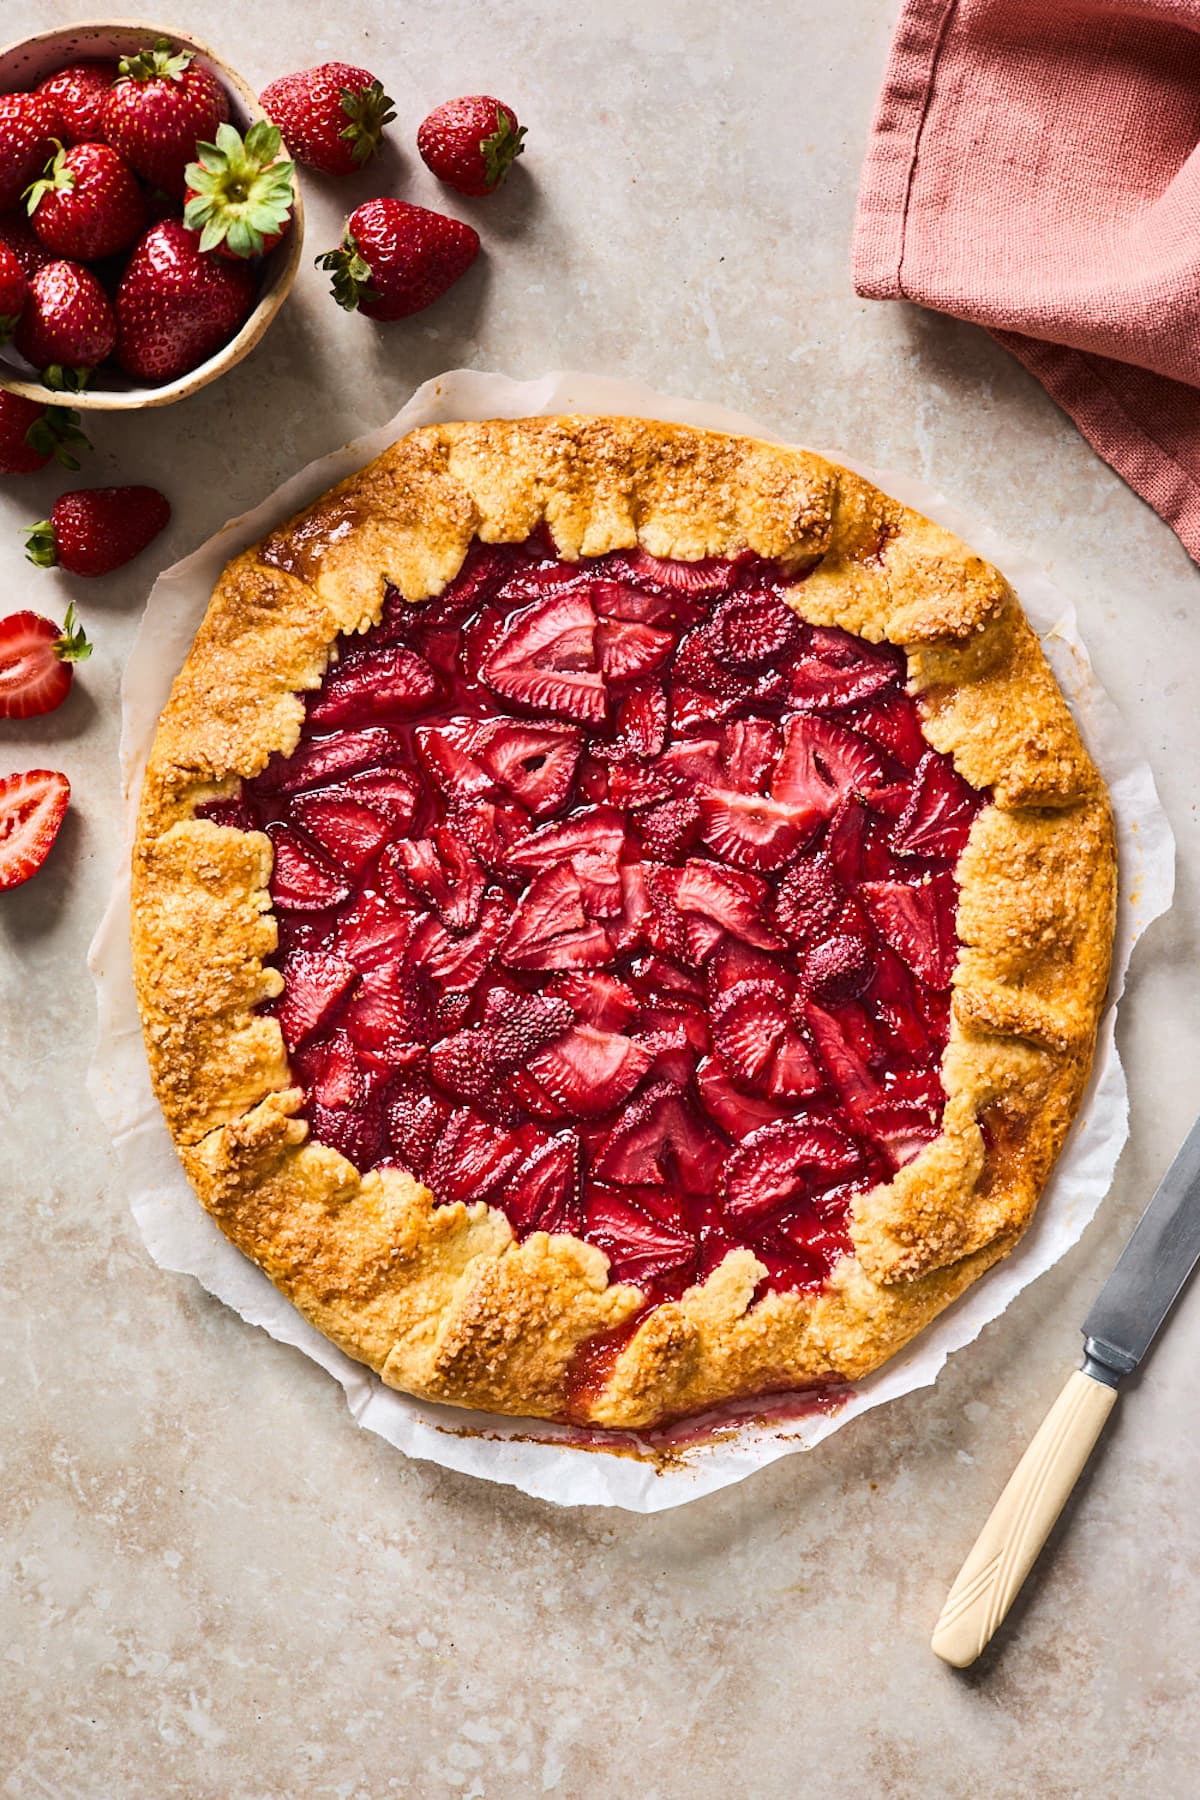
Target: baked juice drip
615	895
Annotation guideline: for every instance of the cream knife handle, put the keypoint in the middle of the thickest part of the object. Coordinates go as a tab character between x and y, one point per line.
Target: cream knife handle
1022	1519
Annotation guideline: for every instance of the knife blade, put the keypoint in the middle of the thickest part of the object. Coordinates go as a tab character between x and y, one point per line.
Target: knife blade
1150	1274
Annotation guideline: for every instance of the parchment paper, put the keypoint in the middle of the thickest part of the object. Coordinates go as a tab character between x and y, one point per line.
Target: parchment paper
655	1471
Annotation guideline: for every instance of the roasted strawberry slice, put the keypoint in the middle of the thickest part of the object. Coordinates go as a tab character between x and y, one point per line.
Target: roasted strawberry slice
807	901
388	1014
590	1072
660	1140
640	1248
441	870
599	830
463	1066
642	716
750	630
846	841
778	1165
231	809
901	1131
835	669
734	961
735	1111
939	816
533	763
416	1120
373	684
628	931
446	755
708	575
667	831
351	834
455	964
631	785
845	1065
891	996
821	763
917	920
543	1194
727	897
627	650
392	793
550	929
698	668
301	879
339	1078
749	748
320	761
759	1043
753	833
837	968
520	1024
891	721
659	982
371	932
596	998
357	1133
692	765
693	707
313	983
472	1158
617	600
545	659
491	828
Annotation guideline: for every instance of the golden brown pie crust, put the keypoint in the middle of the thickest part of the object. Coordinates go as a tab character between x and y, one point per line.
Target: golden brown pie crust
441	1300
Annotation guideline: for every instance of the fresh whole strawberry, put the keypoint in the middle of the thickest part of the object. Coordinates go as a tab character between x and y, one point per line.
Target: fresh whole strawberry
239	192
37	662
176	306
30	434
332	117
471	143
162	104
14	291
18	235
95	530
32	807
27	126
78	93
87	204
67	322
396	259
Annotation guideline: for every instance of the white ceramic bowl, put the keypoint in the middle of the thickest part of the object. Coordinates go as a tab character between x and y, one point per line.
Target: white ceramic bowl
23	65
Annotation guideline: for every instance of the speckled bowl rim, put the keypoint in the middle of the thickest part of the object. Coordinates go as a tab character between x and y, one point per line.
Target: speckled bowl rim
73	40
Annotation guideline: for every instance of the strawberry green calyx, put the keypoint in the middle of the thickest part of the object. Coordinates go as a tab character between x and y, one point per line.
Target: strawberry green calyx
351	274
54	177
501	150
57	434
73	645
162	63
63	380
240	190
8	324
368	112
41	545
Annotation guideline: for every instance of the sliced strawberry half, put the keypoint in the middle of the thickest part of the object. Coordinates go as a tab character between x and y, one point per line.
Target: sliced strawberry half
388	1015
749	748
619	600
780	1164
632	785
472	1158
692	765
372	932
32	808
660	1140
323	760
821	763
416	1120
441	870
728	898
455	964
313	983
533	763
550	929
642	717
939	816
379	684
760	1044
901	1131
339	1078
838	968
543	1193
735	1111
589	1071
301	879
520	1024
750	630
545	659
753	833
596	998
707	575
639	1246
350	833
845	1065
669	830
359	1133
891	722
835	669
917	920
597	830
808	899
627	650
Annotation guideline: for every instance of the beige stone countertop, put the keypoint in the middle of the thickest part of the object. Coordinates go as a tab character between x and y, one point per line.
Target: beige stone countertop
213	1584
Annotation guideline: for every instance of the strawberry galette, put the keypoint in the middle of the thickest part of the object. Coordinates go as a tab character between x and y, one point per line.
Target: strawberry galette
621	916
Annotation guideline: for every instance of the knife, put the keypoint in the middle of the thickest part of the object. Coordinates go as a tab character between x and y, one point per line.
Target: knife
1148	1279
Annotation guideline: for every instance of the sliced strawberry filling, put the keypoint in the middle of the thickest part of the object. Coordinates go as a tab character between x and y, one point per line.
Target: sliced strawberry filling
617	896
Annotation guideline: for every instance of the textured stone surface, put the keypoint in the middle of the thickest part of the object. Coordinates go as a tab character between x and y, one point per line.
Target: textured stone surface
212	1583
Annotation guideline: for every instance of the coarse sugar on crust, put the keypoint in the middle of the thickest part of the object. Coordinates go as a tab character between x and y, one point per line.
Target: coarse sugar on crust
441	1300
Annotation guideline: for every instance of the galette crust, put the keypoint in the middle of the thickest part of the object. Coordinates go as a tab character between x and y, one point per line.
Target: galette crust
441	1300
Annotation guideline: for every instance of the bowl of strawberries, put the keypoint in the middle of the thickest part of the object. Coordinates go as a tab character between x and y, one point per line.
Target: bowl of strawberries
150	219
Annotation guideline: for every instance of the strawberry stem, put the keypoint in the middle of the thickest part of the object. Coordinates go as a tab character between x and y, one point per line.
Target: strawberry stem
41	545
73	645
351	274
57	434
239	191
55	176
368	112
161	63
501	150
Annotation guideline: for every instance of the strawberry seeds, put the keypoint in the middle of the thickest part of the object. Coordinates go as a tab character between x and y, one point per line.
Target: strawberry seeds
613	894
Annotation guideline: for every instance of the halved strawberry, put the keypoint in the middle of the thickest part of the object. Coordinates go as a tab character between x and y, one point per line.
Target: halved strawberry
821	763
778	1165
617	600
807	901
628	931
301	879
533	763
734	961
660	982
759	1043
892	722
442	870
641	718
543	1193
598	830
661	1139
639	1247
32	808
550	929
392	793
520	1024
596	998
446	753
37	660
545	659
416	1120
387	1013
938	818
735	1111
668	830
373	684
847	842
633	785
750	630
901	1131
490	828
463	1066
339	1079
472	1158
358	1133
455	964
749	748
697	667
892	998
371	932
728	897
627	651
351	833
589	1071
707	575
323	760
837	968
917	920
835	669
753	833
692	765
314	982
693	707
845	1066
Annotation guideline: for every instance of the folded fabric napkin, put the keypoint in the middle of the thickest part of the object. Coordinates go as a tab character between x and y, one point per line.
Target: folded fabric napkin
1034	167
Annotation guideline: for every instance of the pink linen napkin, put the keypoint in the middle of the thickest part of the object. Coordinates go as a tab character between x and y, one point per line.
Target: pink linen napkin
1034	166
